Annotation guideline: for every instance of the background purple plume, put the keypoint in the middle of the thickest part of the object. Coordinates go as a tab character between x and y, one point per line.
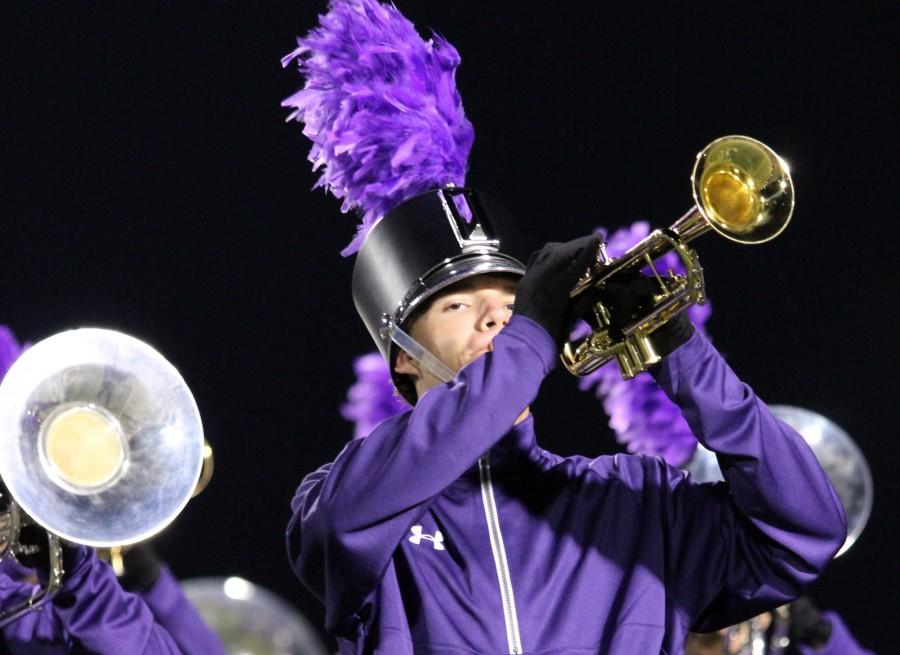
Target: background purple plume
381	107
371	399
640	413
10	349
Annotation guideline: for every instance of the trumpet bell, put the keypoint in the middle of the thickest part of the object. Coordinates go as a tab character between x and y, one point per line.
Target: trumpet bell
743	189
101	438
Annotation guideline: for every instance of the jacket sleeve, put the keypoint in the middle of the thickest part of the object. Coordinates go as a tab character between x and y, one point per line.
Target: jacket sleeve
349	516
174	613
91	612
103	618
37	630
752	543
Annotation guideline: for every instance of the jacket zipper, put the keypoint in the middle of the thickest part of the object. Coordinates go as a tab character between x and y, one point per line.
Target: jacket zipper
506	590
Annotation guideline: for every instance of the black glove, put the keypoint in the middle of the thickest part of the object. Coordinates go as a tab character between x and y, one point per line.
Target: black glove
142	566
808	626
629	295
553	271
33	540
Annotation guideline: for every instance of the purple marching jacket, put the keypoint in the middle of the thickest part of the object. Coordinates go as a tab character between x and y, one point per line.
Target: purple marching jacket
93	614
174	613
416	543
90	614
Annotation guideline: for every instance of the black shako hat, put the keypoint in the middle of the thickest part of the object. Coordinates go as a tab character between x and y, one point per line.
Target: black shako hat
424	245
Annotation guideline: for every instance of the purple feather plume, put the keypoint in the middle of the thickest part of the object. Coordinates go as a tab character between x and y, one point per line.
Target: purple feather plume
372	398
381	107
640	413
10	349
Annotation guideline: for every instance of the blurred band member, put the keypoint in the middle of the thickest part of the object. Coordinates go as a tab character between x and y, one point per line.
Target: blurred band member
92	612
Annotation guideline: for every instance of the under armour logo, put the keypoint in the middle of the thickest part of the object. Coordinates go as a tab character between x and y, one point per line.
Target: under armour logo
437	540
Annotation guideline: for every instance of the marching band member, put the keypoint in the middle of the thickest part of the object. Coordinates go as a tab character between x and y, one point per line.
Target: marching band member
93	612
648	423
448	529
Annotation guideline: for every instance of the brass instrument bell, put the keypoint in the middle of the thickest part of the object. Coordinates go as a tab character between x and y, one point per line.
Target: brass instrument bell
248	618
115	555
102	444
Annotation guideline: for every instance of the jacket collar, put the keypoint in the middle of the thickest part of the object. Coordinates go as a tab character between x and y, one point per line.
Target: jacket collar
519	444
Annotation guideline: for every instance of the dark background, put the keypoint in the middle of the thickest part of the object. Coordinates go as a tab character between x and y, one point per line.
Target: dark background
152	186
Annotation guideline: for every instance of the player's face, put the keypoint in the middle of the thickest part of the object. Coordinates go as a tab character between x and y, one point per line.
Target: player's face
461	322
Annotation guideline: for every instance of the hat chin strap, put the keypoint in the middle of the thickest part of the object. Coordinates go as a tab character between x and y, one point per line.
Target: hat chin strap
421	354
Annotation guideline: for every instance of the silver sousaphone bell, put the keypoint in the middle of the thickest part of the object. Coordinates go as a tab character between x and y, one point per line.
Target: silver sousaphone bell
100	444
250	619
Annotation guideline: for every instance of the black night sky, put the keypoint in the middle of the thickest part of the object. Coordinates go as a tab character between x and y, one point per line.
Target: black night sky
151	185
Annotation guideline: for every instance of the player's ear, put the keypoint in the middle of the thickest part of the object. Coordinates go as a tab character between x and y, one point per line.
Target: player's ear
406	365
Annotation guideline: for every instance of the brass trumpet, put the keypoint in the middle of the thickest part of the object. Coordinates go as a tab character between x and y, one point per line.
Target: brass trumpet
743	191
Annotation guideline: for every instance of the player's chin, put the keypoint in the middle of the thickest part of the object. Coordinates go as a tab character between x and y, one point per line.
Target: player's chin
475	355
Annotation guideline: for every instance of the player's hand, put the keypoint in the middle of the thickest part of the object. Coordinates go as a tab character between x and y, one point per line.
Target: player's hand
553	271
629	296
142	566
34	552
807	625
